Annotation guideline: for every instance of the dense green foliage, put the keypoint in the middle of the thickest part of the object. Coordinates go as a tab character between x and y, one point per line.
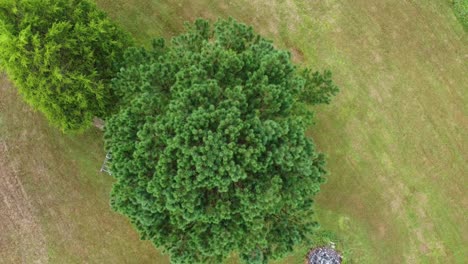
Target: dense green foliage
460	7
61	55
209	151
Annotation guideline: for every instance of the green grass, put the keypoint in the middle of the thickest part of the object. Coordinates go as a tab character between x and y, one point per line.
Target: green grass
460	7
395	135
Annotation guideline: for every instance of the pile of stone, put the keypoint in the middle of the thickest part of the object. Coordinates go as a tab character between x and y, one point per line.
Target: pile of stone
323	255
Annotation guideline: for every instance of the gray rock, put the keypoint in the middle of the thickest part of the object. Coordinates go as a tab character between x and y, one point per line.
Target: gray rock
323	255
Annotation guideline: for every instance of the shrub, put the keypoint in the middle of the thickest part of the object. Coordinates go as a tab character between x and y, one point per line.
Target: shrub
61	55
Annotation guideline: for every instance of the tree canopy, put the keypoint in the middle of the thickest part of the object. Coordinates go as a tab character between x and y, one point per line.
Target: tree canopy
61	54
209	149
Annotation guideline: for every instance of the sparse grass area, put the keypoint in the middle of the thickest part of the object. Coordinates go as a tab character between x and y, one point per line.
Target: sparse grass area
395	136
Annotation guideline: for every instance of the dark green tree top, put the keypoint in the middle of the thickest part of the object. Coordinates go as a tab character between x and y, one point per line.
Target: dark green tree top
209	151
61	55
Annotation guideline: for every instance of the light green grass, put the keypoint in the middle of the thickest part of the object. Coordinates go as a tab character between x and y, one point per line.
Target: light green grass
395	135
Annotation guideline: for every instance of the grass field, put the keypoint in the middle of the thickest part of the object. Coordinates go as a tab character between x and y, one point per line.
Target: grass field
396	136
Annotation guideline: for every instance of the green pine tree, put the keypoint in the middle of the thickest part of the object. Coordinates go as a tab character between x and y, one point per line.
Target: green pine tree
209	151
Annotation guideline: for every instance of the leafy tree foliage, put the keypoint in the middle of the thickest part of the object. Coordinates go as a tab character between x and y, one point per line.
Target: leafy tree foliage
209	151
60	54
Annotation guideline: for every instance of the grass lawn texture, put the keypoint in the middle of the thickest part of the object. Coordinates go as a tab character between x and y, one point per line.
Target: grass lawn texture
396	136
